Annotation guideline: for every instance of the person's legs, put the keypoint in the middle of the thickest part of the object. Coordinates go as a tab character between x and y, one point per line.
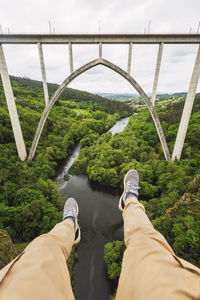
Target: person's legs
41	272
150	269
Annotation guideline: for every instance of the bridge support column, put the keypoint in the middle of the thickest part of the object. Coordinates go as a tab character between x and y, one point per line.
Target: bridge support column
71	58
44	81
157	71
129	58
185	118
12	107
100	50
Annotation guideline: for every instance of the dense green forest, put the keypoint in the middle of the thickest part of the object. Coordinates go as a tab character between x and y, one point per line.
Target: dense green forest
168	191
30	202
107	159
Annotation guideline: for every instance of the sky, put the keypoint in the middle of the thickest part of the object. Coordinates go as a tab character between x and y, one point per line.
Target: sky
92	16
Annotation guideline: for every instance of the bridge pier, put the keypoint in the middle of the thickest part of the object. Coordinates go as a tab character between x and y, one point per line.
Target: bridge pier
129	58
157	71
12	107
185	118
71	58
100	50
44	81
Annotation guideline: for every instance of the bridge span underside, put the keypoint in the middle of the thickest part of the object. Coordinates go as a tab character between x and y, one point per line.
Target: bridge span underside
100	38
70	39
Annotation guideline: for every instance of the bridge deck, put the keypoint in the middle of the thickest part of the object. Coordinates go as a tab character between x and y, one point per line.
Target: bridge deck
100	38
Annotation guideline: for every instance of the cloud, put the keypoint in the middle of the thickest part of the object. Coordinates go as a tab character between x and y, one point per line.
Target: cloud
127	16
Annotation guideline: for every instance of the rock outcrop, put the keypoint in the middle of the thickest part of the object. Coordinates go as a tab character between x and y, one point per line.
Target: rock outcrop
7	249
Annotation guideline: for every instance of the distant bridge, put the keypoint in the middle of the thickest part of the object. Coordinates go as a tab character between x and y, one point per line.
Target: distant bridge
100	39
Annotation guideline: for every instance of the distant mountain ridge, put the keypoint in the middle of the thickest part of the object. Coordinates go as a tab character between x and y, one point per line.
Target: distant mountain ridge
117	96
24	86
70	93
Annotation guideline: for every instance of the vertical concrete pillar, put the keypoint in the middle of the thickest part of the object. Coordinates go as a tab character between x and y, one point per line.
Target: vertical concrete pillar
185	118
12	107
157	71
129	58
71	58
100	50
42	66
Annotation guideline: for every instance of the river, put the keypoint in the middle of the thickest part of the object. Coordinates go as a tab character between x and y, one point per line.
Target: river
100	222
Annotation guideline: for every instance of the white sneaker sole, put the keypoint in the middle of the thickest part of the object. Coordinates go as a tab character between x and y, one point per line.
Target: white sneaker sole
121	198
77	240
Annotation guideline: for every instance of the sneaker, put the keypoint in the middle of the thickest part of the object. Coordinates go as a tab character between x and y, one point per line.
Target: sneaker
71	211
131	181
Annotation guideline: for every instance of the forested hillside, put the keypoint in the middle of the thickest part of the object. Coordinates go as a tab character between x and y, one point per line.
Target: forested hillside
107	159
30	202
170	191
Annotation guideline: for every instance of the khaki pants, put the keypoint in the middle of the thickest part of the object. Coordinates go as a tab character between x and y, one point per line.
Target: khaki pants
41	272
150	269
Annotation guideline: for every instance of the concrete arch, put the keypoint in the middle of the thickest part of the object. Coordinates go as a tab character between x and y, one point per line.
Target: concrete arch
128	77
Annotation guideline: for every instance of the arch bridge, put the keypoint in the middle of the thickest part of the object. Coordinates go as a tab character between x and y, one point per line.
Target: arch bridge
100	39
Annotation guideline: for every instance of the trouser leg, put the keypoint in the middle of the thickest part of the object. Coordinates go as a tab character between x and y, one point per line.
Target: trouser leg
150	269
41	272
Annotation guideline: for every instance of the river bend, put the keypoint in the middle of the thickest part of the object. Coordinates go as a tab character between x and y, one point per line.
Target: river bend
100	222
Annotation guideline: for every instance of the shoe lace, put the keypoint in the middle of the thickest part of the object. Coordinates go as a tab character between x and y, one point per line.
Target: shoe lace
131	187
71	212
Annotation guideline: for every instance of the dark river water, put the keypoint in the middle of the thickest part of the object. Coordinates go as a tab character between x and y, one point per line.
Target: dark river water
100	222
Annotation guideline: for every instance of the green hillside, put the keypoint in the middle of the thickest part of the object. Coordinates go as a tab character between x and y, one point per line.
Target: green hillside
107	159
27	87
170	191
30	202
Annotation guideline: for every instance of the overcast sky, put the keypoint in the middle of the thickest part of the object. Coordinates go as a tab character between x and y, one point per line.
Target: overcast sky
114	16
